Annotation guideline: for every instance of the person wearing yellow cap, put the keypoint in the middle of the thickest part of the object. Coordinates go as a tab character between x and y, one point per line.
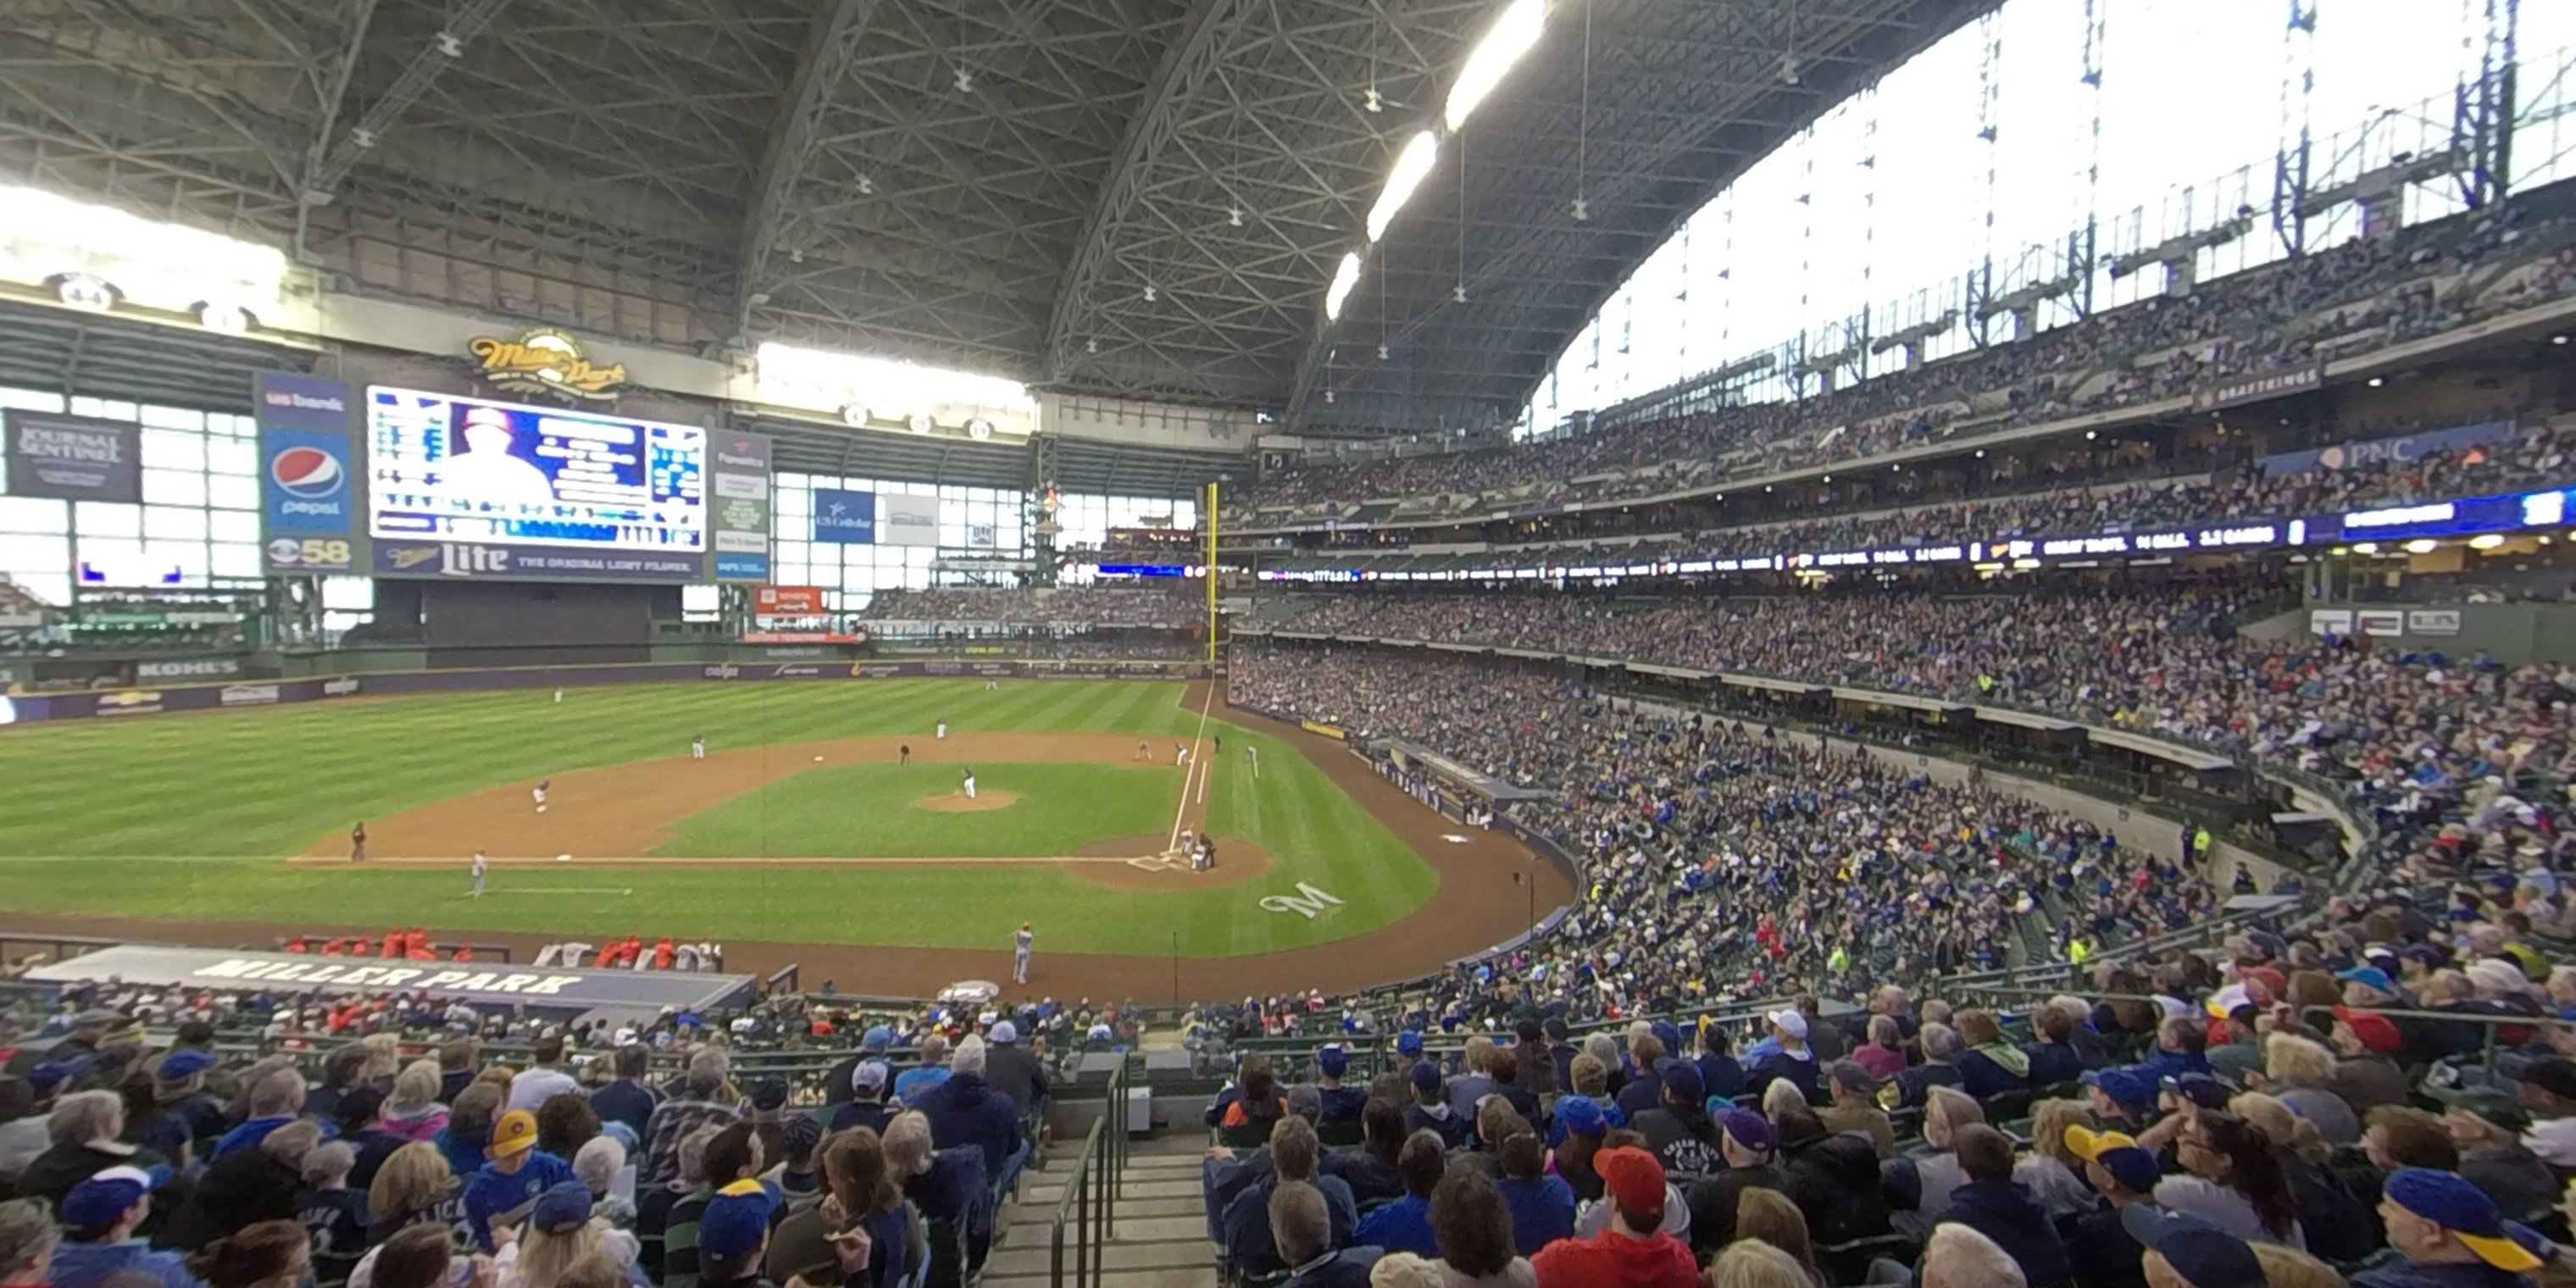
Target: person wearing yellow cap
509	1183
2101	1248
2449	1233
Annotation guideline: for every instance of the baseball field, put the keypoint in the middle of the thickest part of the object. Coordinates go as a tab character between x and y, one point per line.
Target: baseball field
802	835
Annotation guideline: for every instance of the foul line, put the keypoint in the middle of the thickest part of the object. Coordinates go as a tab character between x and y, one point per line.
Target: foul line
500	862
1197	768
485	894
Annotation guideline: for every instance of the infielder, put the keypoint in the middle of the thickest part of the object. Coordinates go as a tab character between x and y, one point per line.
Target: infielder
698	747
1180	753
358	842
481	866
943	726
903	754
1144	750
970	782
1020	954
539	792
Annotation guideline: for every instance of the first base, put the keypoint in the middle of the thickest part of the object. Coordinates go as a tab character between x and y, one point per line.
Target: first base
563	858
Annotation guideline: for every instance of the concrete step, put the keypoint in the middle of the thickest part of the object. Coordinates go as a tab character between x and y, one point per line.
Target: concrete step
1030	1258
1191	1226
1162	1167
1165	1277
1193	1143
1047	1191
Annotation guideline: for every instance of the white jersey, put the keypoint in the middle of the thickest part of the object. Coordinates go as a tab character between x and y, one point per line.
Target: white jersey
1021	941
481	864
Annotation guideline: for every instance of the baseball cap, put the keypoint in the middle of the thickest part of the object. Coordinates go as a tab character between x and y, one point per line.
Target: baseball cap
1409	1042
2555	1075
1426	1076
1333	1060
1581	1114
2377	1032
799	1135
2134	1168
565	1206
1633	1177
2450	1201
1751	1130
2200	1089
870	1075
769	1094
96	1203
2494	1104
514	1133
53	1073
1853	1076
2120	1085
1789	1022
736	1220
1681	1082
2370	975
1003	1033
2195	1247
184	1062
1668	1033
877	1038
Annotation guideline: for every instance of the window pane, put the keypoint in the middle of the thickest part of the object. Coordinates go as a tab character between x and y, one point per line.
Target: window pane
232	456
349	592
30	514
233	525
167	521
229	492
236	560
107	519
174	487
30	399
29	556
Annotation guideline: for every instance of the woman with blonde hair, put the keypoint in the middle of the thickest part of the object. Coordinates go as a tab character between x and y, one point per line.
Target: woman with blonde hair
411	1110
1767	1217
2301	1071
2291	1268
2282	1124
864	1193
1781	1097
1990	1066
414	1186
1751	1263
2052	1171
561	1231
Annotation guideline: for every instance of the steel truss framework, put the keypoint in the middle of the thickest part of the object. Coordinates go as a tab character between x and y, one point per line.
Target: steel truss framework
1142	198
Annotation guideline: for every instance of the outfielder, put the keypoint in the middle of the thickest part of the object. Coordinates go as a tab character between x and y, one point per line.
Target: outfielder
903	754
358	842
1020	954
970	782
539	792
558	694
943	726
698	747
481	866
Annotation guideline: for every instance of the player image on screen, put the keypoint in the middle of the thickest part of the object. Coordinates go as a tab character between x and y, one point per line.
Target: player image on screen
444	467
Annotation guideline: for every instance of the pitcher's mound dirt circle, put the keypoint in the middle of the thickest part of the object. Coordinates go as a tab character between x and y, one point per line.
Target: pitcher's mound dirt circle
1148	867
960	803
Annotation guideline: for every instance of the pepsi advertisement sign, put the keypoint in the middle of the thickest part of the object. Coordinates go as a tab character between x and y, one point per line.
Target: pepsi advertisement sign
305	483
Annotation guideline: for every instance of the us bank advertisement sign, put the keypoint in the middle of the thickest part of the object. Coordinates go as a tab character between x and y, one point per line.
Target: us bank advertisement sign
72	458
307	477
434	560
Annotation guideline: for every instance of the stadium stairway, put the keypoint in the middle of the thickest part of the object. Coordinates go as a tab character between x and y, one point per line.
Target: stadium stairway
1161	1237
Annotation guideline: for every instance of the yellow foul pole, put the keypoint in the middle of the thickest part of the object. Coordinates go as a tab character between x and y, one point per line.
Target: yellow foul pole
1207	518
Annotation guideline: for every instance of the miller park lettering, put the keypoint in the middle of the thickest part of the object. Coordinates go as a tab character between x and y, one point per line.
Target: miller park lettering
545	361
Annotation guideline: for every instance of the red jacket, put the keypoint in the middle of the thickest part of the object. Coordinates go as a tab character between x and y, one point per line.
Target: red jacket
1659	1261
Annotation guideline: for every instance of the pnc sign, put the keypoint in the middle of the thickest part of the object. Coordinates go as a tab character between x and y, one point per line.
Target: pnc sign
545	361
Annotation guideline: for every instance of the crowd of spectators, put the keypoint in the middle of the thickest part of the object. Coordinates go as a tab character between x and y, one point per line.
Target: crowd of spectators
1157	603
2364	294
1725	862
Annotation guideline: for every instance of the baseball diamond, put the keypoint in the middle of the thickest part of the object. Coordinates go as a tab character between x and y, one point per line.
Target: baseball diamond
804	835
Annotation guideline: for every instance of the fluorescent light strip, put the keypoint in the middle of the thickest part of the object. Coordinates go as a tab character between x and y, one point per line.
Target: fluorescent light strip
1512	36
1412	166
1344	278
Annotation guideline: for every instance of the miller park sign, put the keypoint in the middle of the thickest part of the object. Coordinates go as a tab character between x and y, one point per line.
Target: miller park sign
548	361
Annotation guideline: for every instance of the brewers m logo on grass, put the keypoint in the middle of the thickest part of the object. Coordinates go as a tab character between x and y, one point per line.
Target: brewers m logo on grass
545	361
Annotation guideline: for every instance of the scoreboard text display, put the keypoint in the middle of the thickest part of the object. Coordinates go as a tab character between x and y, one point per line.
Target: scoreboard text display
446	468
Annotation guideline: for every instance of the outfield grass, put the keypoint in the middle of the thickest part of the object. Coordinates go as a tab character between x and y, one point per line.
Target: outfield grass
186	817
872	811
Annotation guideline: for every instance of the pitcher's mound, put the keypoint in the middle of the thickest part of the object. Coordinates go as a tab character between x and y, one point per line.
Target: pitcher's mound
956	802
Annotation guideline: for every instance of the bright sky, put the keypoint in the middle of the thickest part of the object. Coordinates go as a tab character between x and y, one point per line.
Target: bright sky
2191	109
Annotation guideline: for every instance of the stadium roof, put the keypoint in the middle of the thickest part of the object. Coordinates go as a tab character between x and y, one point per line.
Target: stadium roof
1135	197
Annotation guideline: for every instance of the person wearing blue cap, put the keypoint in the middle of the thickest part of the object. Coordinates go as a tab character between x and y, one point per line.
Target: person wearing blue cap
2369	986
1342	1105
2448	1232
99	1217
182	1112
1679	1132
1430	1110
2125	1175
734	1232
2183	1248
1573	1138
2120	1098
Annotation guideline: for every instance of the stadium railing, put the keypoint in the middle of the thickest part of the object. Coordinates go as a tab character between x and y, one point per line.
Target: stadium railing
1090	1200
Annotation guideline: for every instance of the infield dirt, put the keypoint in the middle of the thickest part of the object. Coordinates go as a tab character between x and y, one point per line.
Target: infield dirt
1477	903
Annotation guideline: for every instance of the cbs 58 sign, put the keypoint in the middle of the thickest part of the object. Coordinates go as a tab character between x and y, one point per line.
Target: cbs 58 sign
309	554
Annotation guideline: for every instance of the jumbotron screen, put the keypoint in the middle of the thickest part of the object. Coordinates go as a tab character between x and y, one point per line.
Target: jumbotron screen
449	468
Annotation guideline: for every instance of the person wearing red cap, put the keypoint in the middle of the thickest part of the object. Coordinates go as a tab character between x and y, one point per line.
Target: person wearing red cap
2366	1073
1633	1251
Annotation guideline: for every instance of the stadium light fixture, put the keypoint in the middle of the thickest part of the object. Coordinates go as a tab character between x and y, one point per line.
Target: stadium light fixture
2422	546
1344	278
82	291
2486	541
1412	166
1511	36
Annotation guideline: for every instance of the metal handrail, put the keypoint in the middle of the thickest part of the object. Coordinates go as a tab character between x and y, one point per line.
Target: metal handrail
1101	1165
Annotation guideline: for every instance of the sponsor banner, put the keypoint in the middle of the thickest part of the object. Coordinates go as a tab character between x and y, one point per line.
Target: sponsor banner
804	637
908	521
800	671
2433	621
2330	621
846	517
188	668
310	554
342	686
249	695
787	601
793	652
2270	384
2380	451
545	360
722	671
1328	731
2381	622
305	483
739	464
130	702
564	988
288	401
530	563
72	458
879	670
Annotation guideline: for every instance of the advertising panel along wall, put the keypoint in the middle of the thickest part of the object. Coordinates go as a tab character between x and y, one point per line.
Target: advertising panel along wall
308	479
908	521
740	471
465	487
72	458
846	517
